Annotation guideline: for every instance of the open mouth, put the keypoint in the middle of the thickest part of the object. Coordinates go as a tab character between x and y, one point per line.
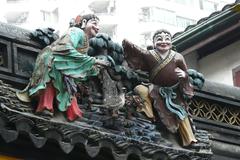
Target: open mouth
95	29
162	44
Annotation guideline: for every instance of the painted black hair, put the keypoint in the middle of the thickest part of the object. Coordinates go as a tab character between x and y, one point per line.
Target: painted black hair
79	19
160	31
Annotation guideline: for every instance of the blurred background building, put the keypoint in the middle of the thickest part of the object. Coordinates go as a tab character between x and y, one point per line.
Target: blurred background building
132	19
137	20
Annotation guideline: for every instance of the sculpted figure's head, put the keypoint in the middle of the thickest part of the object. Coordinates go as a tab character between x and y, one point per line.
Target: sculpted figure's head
88	23
162	40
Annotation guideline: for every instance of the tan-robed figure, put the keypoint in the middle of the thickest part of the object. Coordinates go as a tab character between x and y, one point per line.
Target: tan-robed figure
168	76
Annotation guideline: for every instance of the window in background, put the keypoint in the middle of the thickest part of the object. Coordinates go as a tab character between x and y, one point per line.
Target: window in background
146	39
184	2
155	14
103	7
144	15
50	16
16	17
163	15
109	29
184	22
46	15
208	5
14	1
55	15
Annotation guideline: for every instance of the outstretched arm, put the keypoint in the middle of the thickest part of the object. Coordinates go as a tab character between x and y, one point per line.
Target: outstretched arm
134	55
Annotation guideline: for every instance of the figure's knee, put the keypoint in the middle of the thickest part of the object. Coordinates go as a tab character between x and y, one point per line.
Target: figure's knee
143	92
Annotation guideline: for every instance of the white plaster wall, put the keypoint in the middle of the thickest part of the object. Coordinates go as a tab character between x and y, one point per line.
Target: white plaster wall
218	66
192	60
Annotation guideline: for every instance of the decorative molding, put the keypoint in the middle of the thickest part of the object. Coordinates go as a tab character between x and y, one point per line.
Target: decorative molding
219	112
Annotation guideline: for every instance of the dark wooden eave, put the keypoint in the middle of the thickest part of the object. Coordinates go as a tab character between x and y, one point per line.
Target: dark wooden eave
17	120
211	33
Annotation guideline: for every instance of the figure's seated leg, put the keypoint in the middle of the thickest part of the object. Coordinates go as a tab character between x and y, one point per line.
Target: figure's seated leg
46	99
143	92
73	110
186	132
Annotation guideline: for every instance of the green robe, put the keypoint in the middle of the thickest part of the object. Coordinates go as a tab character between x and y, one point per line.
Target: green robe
65	57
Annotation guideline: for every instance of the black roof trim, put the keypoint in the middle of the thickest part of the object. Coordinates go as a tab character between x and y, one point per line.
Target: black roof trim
17	118
202	20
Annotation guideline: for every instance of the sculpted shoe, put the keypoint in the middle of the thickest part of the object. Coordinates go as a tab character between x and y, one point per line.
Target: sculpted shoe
197	146
45	113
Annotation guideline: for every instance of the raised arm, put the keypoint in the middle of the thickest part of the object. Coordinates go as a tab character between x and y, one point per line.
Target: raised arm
134	55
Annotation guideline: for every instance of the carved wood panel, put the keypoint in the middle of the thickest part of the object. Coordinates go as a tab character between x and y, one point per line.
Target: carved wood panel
5	56
24	59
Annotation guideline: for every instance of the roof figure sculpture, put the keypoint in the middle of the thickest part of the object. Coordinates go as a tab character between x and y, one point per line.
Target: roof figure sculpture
111	117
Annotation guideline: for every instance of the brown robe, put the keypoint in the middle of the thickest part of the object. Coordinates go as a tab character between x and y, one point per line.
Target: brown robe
162	74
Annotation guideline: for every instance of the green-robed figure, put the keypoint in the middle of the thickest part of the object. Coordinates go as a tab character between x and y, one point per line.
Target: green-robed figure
59	66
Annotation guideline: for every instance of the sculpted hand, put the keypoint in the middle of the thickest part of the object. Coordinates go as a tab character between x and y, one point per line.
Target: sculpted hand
102	63
124	41
180	73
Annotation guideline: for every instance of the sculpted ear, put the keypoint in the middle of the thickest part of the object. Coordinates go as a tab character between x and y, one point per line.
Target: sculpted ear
84	22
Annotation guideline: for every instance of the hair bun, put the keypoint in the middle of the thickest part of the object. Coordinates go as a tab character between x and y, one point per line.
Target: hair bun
78	20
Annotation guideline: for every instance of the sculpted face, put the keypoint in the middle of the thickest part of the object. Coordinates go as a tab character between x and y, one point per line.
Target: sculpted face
91	27
162	42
